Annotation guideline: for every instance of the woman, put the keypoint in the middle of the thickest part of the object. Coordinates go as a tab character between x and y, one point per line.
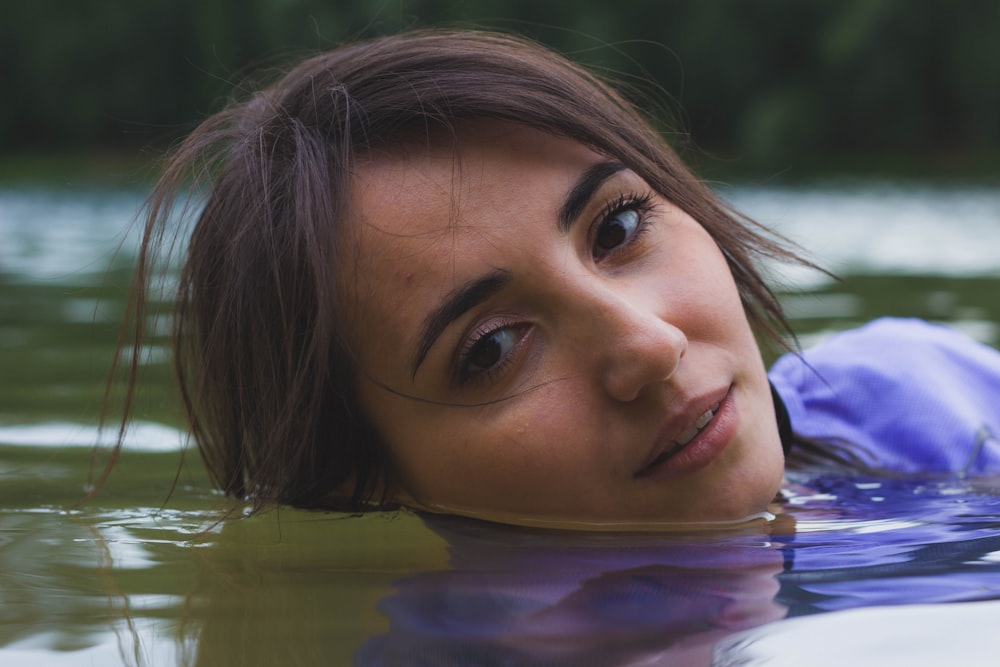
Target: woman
457	272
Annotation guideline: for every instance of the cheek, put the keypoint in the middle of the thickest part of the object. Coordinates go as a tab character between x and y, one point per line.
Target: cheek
516	452
694	274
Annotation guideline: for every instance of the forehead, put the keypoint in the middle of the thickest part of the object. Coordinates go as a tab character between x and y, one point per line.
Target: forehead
468	173
431	216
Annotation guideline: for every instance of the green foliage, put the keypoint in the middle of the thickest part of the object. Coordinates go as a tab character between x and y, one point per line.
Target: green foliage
767	82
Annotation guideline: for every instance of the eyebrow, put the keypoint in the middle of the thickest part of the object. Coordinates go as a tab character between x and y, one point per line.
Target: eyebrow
584	189
456	304
475	292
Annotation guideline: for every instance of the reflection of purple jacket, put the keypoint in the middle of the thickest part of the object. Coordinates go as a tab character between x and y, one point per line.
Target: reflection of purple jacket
903	396
863	541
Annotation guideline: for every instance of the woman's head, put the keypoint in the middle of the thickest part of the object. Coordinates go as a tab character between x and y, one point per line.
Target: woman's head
391	222
536	329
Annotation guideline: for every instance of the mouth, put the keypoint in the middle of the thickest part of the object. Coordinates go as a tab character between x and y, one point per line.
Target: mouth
682	440
705	423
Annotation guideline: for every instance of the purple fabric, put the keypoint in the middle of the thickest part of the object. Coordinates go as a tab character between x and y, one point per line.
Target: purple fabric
902	394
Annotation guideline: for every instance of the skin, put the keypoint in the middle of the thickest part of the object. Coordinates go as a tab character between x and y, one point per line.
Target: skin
611	332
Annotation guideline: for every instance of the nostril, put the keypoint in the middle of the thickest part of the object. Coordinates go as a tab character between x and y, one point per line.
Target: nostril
642	357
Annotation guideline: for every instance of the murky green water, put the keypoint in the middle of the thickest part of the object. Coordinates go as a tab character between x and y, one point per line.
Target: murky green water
147	574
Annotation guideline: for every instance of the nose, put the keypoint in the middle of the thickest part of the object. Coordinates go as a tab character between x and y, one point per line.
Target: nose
634	346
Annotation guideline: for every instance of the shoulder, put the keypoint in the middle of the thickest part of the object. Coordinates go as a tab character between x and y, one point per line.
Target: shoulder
909	395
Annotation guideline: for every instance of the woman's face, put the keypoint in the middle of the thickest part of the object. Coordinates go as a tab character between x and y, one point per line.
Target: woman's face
544	338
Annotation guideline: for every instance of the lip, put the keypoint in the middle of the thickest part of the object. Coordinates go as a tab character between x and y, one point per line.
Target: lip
704	448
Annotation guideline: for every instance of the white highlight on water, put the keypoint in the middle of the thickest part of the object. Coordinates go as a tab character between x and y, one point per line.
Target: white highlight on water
882	228
141	436
55	235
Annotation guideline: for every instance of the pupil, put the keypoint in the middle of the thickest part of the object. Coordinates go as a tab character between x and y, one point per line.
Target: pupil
487	353
611	236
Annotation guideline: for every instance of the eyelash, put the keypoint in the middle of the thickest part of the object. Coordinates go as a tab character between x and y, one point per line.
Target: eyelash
642	204
463	375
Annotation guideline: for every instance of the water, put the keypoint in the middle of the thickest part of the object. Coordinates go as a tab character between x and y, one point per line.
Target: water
851	571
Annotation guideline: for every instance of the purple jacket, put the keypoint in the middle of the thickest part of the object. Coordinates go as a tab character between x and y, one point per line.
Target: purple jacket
903	395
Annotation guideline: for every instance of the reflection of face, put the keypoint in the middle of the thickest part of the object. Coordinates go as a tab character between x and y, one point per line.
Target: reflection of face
572	598
539	331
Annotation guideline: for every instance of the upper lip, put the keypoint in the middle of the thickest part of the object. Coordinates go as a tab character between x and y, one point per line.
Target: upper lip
681	415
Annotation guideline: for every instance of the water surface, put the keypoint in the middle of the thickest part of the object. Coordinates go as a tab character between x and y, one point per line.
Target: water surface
147	574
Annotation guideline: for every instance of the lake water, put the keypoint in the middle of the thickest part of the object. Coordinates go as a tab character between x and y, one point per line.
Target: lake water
856	570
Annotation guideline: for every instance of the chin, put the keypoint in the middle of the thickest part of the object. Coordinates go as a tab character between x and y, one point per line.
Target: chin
747	503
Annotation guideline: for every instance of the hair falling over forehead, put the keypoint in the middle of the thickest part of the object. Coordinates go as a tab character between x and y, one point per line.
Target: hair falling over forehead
266	375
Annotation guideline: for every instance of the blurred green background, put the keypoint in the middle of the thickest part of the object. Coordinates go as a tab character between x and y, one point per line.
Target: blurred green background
781	88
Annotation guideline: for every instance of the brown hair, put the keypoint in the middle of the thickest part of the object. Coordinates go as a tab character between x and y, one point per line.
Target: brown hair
266	375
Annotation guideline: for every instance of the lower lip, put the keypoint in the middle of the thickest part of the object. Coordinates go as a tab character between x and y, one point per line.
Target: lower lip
706	447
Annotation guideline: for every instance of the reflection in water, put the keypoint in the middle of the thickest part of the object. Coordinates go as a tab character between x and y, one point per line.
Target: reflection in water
513	597
155	587
498	595
958	634
517	597
896	542
300	588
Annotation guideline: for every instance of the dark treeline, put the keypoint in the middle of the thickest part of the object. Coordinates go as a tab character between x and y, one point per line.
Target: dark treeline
762	82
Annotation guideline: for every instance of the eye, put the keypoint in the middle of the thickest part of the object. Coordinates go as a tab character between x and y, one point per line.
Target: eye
490	350
620	224
616	231
487	352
